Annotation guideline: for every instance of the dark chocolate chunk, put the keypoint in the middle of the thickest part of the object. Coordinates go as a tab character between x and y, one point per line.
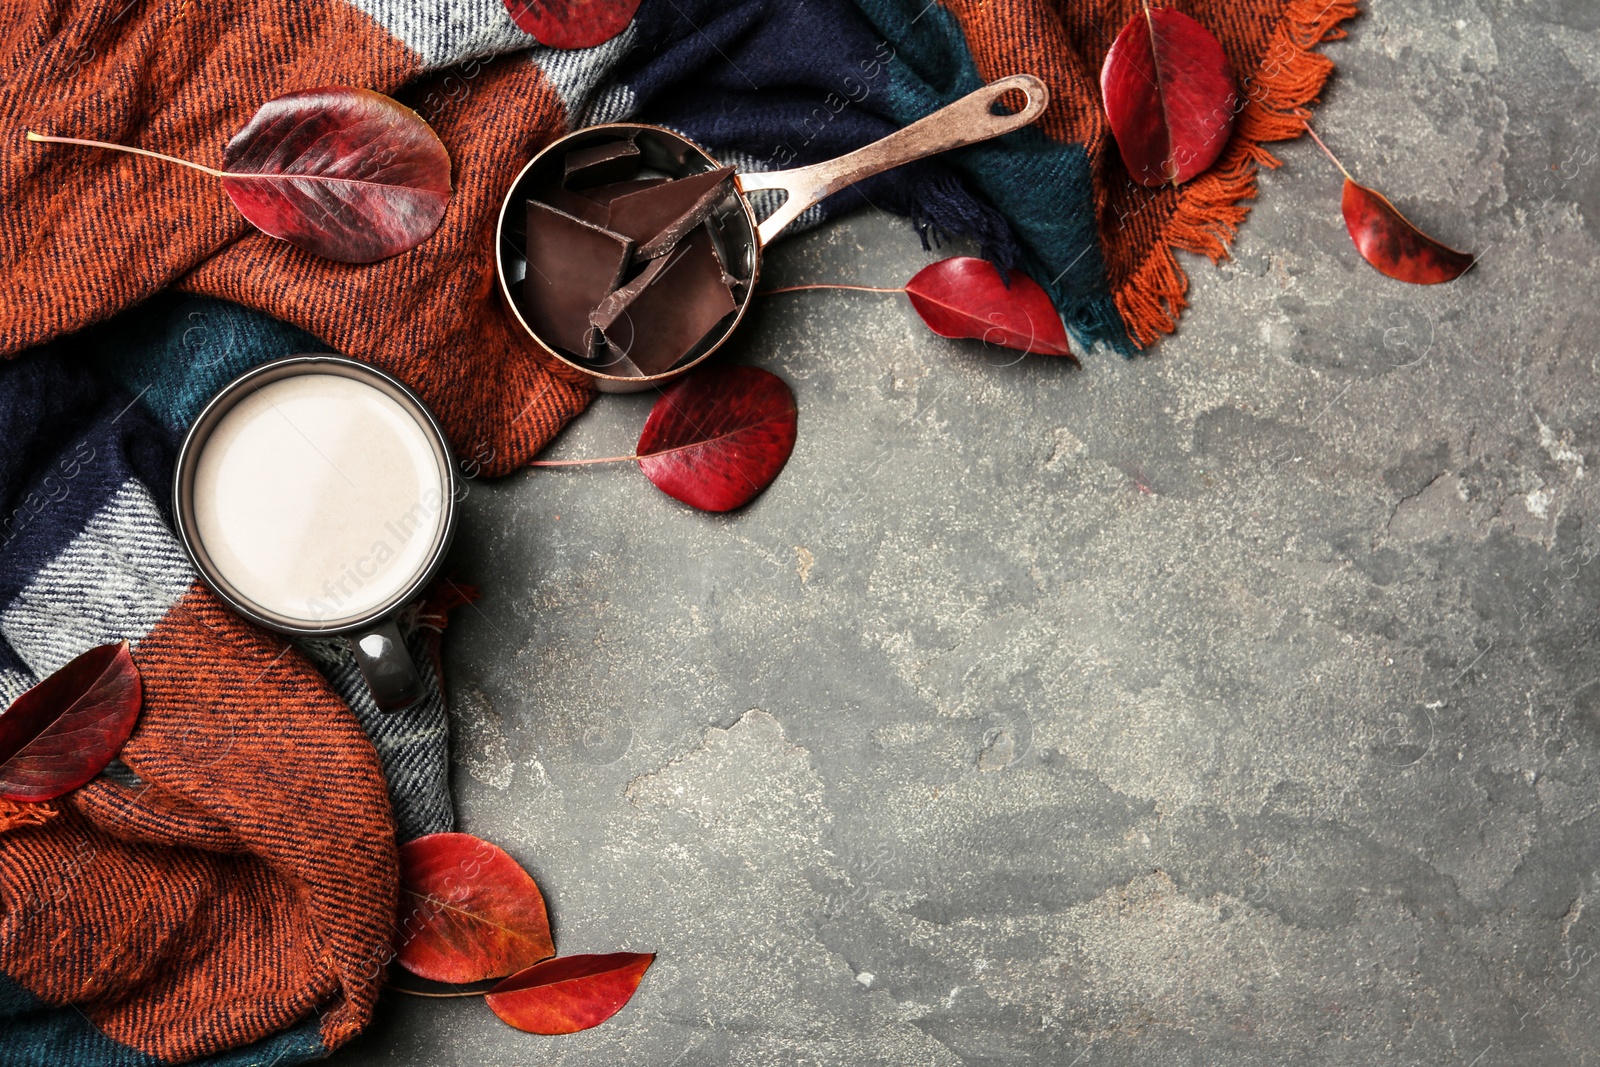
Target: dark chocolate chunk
578	205
659	316
604	194
608	360
730	273
609	162
613	306
674	232
642	215
590	204
572	266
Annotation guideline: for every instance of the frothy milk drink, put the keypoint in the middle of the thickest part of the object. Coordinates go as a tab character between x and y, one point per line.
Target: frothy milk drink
319	498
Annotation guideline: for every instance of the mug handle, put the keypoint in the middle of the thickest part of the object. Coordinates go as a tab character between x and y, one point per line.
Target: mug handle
381	654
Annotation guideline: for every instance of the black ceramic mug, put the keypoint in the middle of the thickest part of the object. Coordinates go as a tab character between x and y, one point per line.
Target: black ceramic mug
316	496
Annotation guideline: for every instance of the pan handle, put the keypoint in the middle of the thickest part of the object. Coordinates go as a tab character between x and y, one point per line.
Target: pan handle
967	121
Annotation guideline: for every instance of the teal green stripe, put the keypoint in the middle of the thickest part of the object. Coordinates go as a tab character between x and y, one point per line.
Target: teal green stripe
1043	187
33	1034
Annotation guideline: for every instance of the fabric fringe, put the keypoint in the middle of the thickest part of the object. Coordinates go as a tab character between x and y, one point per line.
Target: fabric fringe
1210	208
15	815
433	614
443	597
942	207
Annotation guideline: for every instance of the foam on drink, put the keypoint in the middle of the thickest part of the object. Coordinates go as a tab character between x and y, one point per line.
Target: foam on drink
319	497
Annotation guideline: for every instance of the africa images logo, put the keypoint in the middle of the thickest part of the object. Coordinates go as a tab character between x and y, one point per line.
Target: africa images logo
355	576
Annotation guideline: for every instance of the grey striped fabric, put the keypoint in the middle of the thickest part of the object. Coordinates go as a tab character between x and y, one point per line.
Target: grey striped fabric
413	745
450	33
114	581
444	34
121	574
578	74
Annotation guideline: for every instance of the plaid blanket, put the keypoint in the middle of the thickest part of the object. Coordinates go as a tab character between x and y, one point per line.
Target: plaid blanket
224	893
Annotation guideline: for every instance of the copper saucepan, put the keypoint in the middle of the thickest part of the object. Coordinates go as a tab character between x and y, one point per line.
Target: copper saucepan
737	232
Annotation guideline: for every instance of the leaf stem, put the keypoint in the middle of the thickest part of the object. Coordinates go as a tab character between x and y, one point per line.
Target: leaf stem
829	285
123	148
580	462
1328	152
437	996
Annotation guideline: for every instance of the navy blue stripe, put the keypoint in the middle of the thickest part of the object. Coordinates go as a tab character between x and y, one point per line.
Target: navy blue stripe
72	443
175	352
793	83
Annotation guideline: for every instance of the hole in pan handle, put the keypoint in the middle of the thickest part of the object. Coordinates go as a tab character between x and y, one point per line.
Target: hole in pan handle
967	121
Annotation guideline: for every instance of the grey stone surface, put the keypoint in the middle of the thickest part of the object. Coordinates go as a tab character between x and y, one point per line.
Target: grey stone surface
1237	704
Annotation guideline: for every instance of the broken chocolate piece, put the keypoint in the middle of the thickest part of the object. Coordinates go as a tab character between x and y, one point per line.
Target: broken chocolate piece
578	205
658	317
572	266
609	162
642	215
719	244
674	232
612	307
590	204
608	360
604	194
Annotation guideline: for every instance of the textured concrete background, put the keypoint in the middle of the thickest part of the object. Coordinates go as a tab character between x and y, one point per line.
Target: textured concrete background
1233	705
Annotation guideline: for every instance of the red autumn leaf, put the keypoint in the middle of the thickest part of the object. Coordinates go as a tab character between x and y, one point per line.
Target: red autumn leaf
572	23
966	297
1170	96
346	173
467	911
569	993
1387	240
717	438
64	731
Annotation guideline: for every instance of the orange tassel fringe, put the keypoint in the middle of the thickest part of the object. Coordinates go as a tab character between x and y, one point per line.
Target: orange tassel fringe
14	815
1210	208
